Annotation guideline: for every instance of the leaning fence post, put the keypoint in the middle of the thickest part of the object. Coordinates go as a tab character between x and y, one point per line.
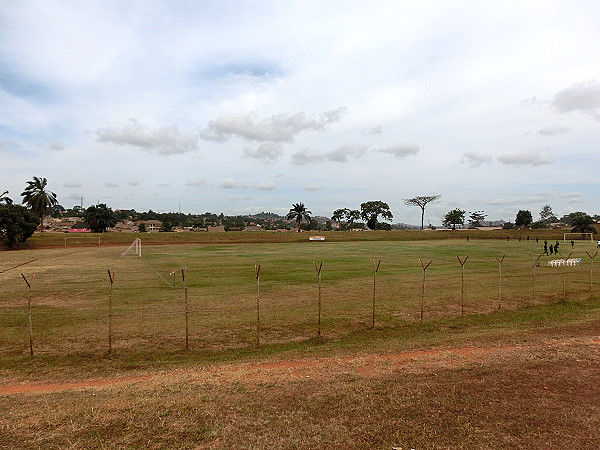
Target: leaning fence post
592	271
565	277
375	270
424	267
111	279
29	312
500	260
318	270
536	262
185	295
257	269
462	287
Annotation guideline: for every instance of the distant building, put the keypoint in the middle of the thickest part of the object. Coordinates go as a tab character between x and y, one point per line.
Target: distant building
152	226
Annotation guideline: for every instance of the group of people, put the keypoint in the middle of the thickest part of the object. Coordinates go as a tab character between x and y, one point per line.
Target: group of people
553	249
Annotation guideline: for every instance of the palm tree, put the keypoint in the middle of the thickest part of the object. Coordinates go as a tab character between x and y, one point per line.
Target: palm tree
298	213
37	198
100	218
5	199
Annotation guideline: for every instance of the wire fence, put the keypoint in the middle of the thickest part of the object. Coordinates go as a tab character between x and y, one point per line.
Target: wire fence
130	308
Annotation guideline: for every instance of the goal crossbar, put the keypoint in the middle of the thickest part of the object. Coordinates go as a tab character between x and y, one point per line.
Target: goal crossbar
578	236
134	249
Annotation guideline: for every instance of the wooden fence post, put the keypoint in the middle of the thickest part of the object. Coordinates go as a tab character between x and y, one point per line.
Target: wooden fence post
424	267
257	269
592	272
462	287
185	295
375	270
500	261
111	279
536	262
318	270
30	320
565	277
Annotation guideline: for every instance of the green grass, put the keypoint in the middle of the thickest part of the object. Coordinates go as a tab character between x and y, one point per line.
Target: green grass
70	296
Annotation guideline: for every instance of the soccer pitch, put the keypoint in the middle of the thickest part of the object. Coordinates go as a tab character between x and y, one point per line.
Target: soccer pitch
74	308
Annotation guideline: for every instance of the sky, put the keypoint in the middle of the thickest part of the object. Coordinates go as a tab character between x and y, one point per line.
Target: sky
247	106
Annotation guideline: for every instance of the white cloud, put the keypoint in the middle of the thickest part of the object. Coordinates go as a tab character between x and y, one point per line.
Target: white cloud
277	128
267	151
195	183
307	156
134	183
165	140
582	97
341	154
268	186
73	184
108	184
525	158
475	159
229	183
57	145
312	188
402	150
553	130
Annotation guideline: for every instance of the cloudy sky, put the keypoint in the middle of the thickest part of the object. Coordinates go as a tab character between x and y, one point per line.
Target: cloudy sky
247	106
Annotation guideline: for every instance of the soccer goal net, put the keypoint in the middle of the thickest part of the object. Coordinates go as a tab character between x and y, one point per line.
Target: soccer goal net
135	249
578	237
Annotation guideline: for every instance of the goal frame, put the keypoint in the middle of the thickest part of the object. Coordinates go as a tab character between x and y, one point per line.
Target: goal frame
579	236
134	249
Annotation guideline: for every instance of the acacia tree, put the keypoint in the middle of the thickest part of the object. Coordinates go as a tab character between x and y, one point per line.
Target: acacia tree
38	198
454	217
100	218
298	212
476	219
348	215
370	211
339	215
546	215
421	202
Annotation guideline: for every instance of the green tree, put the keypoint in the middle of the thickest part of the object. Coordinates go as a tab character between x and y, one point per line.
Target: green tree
546	215
339	216
298	212
38	198
421	202
476	219
5	199
17	224
100	218
454	217
524	218
370	212
142	227
581	222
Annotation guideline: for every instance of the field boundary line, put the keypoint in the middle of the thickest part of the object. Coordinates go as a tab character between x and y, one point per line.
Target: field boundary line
157	272
18	265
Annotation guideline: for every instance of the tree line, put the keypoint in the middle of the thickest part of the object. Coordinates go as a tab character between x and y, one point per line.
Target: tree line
19	222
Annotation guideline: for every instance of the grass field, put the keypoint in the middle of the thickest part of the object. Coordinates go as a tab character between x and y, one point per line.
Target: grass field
376	407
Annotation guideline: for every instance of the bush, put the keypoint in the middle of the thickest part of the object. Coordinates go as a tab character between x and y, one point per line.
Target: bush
17	224
508	226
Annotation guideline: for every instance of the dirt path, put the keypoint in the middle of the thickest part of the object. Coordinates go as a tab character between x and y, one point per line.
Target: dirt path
365	365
